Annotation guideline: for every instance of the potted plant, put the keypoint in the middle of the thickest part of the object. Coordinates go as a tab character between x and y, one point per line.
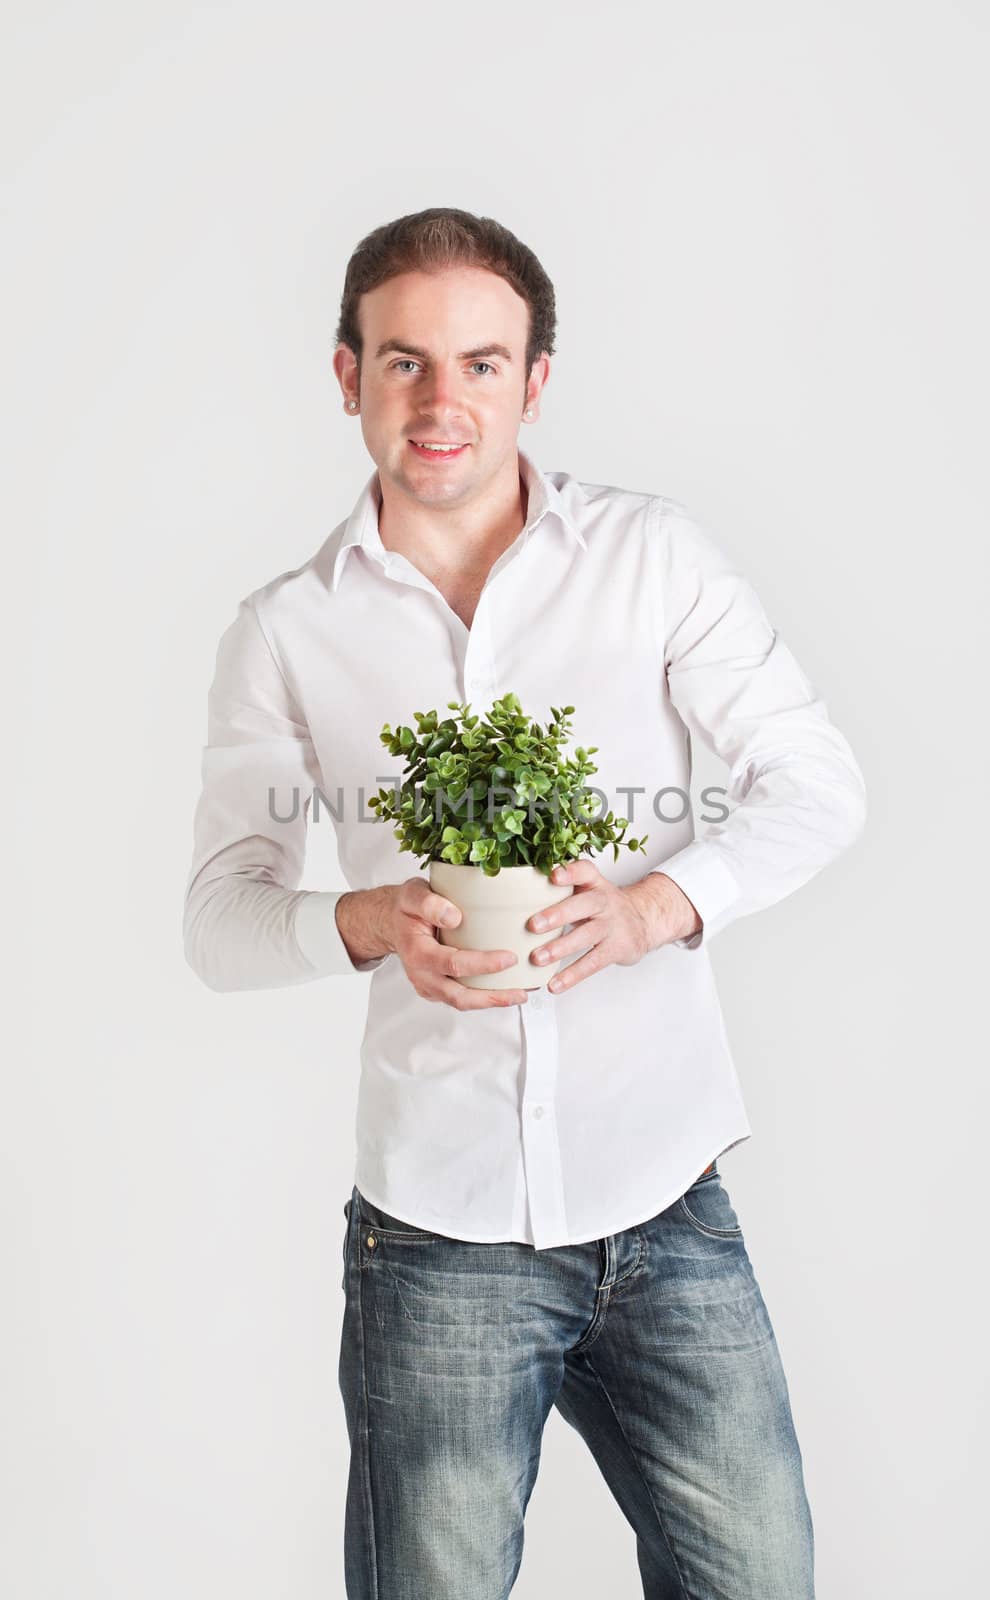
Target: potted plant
492	805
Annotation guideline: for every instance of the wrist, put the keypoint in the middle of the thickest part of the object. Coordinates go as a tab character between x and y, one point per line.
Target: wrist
365	922
669	913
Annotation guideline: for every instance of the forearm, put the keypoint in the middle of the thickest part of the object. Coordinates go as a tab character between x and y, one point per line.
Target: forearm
244	933
364	921
665	909
239	934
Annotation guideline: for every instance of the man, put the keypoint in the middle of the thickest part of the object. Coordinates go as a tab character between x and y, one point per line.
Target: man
538	1218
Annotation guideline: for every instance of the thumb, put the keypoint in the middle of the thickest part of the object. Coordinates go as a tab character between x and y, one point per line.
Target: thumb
443	913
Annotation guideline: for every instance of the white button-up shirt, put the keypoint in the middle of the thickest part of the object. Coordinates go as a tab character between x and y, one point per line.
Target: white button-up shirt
575	1115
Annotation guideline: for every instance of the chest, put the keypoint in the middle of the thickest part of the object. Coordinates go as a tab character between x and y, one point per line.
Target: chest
461	588
555	626
462	594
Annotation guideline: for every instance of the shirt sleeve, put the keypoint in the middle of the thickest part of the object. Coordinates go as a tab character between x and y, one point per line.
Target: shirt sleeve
797	794
246	923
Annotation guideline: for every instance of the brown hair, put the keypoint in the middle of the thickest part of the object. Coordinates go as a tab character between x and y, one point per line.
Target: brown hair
441	237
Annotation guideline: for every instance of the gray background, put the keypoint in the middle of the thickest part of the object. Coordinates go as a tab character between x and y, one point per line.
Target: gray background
767	227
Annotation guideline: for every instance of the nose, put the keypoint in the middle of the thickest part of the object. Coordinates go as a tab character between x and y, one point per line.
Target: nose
440	394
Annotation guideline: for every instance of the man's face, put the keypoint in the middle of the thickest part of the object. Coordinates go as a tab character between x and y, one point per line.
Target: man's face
443	363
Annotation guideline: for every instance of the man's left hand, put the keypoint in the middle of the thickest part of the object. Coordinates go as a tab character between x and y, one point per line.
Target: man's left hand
615	925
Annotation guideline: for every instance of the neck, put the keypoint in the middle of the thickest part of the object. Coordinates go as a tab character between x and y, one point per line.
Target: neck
456	539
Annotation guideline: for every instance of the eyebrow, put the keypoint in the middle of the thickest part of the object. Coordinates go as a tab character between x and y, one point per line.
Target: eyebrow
401	348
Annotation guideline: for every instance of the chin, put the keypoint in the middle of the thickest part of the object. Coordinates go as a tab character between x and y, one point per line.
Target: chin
436	493
434	484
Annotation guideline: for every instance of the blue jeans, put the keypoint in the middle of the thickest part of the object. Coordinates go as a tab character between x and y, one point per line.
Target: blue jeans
654	1344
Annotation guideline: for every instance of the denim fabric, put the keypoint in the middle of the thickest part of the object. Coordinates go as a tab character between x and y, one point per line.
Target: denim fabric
654	1344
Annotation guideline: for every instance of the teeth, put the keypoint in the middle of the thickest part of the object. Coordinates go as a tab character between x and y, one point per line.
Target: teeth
437	446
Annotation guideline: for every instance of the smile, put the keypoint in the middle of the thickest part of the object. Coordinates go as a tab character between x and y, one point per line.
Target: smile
438	452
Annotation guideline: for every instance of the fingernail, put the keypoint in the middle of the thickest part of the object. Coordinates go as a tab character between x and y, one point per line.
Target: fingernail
539	922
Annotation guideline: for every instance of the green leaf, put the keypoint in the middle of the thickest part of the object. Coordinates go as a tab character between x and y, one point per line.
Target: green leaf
541	809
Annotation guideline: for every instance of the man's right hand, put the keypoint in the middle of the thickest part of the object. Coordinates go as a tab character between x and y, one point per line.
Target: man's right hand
403	919
416	913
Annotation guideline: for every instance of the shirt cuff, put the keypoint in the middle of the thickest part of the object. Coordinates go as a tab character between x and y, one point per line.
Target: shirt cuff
709	885
319	937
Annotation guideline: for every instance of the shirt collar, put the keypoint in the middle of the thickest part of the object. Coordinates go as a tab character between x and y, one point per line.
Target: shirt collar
361	526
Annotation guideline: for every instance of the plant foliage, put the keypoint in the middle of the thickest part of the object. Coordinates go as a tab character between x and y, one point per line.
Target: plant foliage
495	791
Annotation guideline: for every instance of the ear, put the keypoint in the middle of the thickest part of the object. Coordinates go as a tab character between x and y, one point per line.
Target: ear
346	367
535	384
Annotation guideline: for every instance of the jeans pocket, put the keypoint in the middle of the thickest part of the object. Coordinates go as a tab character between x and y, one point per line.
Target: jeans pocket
393	1229
347	1240
708	1209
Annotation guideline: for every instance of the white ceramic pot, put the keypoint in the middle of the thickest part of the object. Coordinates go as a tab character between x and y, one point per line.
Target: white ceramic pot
494	913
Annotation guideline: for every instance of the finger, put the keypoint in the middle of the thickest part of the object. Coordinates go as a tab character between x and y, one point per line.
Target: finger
567	944
465	998
440	912
582	875
576	908
427	952
580	871
576	973
429	965
441	965
434	909
452	962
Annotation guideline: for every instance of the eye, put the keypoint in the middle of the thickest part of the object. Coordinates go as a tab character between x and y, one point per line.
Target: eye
484	364
405	361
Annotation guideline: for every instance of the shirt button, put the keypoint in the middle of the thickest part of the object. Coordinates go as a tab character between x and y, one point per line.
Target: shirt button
538	1111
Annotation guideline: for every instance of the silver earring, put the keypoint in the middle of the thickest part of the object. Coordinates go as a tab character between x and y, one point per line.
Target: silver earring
352	405
529	411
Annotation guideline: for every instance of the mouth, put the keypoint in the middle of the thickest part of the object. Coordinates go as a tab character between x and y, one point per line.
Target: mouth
437	449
